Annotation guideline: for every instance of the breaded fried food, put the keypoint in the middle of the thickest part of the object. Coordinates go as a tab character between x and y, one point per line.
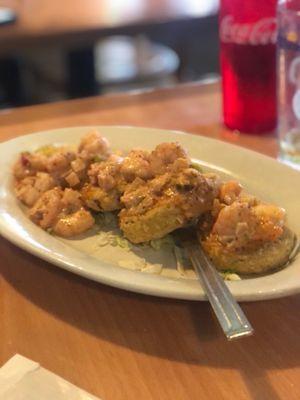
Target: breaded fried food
249	237
99	199
268	256
109	179
106	185
165	203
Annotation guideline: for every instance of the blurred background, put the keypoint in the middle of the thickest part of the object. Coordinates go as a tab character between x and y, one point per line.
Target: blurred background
53	50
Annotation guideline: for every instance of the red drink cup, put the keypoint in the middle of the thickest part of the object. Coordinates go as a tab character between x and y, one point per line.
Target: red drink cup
248	64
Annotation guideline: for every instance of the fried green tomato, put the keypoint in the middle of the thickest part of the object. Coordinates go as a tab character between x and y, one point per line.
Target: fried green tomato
249	238
165	203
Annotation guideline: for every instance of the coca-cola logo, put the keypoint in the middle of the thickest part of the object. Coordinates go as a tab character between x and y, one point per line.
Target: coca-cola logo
262	31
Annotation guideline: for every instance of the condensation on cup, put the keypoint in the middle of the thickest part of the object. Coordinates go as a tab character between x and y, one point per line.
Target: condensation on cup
247	32
289	81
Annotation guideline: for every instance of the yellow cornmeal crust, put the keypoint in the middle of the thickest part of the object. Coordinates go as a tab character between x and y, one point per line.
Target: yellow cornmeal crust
170	209
154	224
98	199
270	256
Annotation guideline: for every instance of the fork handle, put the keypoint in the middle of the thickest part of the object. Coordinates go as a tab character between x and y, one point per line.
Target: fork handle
230	315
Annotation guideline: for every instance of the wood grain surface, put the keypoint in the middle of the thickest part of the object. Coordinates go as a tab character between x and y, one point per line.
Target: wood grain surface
119	345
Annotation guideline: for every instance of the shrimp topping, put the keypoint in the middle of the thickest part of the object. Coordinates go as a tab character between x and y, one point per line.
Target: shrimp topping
73	224
241	225
29	164
164	155
46	210
137	165
107	184
93	145
61	184
60	162
229	192
61	211
189	190
29	189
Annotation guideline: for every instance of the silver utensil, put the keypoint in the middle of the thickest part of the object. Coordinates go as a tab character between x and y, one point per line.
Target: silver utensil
230	315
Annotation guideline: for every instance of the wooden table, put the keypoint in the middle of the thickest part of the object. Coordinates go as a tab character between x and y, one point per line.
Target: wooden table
120	345
74	26
77	22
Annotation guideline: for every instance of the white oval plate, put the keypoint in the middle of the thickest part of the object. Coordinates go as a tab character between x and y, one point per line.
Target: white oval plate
260	175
